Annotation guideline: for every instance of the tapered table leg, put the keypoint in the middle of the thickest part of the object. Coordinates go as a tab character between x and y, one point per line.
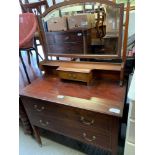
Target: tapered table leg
37	135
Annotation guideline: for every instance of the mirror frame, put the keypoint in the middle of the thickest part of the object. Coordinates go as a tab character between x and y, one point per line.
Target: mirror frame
118	55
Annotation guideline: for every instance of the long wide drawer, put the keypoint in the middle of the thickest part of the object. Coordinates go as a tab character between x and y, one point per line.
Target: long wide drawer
73	130
82	117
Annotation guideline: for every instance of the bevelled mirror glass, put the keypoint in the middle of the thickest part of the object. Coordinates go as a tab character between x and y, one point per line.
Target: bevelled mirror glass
84	28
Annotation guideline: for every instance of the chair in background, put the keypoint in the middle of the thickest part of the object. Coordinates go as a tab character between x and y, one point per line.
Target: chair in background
28	69
36	8
27	29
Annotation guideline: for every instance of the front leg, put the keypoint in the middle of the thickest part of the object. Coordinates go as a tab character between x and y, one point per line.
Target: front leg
37	134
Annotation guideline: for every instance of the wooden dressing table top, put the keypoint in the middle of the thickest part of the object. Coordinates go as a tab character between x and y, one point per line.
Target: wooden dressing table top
99	97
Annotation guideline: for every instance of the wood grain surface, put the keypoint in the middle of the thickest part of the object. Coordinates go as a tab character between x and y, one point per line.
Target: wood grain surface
99	97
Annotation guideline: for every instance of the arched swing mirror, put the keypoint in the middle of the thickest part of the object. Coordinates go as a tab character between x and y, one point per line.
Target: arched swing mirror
83	28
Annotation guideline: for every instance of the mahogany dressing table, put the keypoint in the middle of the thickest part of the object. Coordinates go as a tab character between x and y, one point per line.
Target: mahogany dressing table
61	101
90	114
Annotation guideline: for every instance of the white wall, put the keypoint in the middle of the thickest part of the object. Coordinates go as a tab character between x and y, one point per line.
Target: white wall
131	30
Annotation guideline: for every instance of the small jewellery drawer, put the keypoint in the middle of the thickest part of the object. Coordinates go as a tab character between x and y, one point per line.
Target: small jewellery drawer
75	74
73	130
88	119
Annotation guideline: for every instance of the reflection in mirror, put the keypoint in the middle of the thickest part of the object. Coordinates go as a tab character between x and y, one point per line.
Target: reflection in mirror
83	28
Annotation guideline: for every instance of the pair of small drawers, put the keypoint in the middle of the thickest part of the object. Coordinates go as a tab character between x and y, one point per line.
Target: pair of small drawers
85	126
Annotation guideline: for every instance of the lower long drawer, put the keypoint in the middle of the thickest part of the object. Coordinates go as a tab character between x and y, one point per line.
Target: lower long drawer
73	130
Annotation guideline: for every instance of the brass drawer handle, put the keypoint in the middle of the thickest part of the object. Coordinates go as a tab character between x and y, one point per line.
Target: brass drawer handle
38	109
86	122
90	140
43	124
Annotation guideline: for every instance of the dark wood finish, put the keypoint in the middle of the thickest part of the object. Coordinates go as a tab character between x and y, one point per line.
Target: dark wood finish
36	134
76	74
82	117
63	119
24	119
83	114
80	96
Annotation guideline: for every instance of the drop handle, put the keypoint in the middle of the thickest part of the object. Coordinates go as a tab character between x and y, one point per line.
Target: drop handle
86	122
88	139
38	109
43	124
